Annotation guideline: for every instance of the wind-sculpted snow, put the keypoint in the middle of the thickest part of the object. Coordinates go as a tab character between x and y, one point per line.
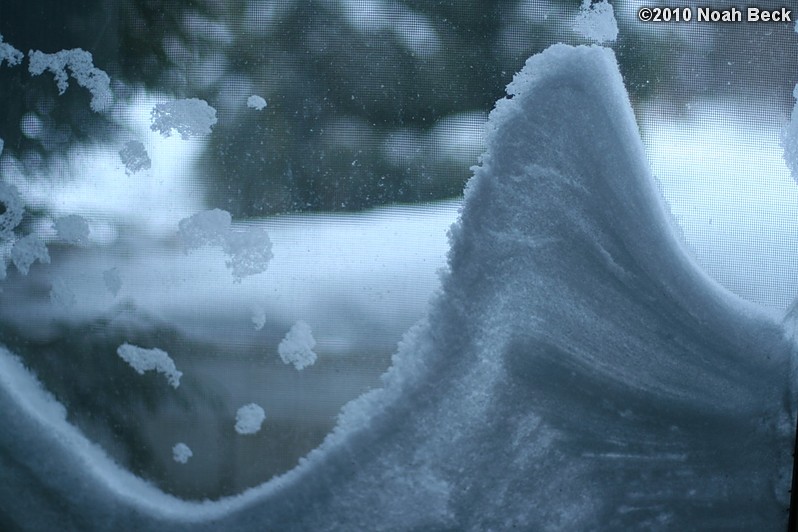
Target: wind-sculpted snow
577	371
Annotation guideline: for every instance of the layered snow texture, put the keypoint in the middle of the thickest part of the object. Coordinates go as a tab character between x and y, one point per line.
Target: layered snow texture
597	21
28	250
72	229
577	370
256	102
181	453
135	157
142	360
77	63
191	118
13	210
297	346
10	55
248	251
249	419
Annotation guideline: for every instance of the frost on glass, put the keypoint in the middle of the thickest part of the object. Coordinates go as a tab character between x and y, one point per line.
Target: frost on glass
576	371
78	64
141	360
249	419
190	118
297	346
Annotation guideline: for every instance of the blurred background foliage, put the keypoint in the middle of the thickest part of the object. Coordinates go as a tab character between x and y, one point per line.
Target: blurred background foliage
369	101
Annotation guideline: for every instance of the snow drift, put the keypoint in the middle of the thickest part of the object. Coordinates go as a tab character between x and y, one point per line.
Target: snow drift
577	370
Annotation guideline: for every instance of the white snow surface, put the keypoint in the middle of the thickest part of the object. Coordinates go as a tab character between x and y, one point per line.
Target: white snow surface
191	118
141	360
79	64
297	346
256	102
249	419
181	453
576	371
596	21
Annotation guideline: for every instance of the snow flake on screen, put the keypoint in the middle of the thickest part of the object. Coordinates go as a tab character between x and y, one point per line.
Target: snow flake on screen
11	210
249	250
206	228
258	317
112	280
28	250
191	118
134	156
256	102
61	295
141	360
79	63
789	139
297	346
249	419
596	22
9	54
72	229
181	453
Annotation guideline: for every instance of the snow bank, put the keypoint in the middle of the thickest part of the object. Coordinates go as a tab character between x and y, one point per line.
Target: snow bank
577	370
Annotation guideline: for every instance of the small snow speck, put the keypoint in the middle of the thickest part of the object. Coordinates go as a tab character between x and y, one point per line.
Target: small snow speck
256	102
297	346
249	419
181	453
142	360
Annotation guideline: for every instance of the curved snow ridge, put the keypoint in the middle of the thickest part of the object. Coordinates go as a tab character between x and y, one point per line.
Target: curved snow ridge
577	370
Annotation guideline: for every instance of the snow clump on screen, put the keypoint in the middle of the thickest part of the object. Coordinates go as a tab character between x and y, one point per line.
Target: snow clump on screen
258	317
191	118
789	139
72	229
79	63
297	346
112	280
597	22
249	419
181	453
14	209
28	250
155	359
9	54
249	251
134	156
61	295
256	102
